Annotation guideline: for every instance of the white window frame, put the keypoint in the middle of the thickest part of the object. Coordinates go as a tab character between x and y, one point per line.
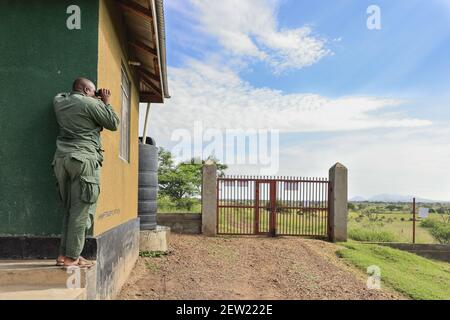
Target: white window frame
125	116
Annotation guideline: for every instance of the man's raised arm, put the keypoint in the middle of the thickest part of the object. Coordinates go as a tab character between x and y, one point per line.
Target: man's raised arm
102	112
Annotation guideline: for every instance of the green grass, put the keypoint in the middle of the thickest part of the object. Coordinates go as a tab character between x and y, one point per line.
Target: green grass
360	234
167	206
397	224
414	276
241	220
152	254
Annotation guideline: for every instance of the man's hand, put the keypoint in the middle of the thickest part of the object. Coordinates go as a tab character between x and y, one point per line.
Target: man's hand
104	95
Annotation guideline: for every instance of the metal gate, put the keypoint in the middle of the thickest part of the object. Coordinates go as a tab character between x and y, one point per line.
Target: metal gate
249	205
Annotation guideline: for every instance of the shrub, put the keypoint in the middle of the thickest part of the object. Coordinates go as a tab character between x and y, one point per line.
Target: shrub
441	233
371	235
428	223
184	203
439	230
167	204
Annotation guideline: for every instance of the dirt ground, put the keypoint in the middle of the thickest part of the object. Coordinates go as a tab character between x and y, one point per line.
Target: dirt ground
202	268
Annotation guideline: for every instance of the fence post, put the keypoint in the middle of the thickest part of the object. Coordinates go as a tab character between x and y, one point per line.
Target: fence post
209	199
337	221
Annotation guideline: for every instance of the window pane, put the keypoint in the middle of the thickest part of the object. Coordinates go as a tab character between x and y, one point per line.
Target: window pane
125	118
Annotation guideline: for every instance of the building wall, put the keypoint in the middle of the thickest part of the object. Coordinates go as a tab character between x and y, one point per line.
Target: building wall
119	180
39	57
187	223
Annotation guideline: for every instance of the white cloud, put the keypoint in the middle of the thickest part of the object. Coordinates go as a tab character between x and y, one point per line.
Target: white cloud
221	99
385	150
396	161
249	28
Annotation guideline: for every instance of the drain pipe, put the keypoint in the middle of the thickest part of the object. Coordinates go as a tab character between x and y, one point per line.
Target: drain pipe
147	115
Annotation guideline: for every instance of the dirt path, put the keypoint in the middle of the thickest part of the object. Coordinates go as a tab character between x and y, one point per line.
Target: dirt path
200	267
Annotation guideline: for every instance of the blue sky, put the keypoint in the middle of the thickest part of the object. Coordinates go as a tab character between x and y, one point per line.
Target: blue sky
380	98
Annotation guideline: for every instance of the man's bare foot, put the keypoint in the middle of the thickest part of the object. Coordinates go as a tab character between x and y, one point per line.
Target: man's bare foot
80	262
60	260
68	262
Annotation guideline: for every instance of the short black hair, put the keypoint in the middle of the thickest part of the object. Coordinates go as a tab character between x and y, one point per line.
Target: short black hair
80	83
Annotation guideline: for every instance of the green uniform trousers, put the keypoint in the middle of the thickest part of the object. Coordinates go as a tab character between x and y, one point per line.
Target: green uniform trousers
78	181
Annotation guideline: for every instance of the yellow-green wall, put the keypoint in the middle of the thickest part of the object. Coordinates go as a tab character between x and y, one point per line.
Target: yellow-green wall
119	181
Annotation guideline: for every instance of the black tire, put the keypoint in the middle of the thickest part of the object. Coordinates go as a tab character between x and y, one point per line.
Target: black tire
148	218
147	207
147	226
148	179
148	184
148	222
148	158
147	193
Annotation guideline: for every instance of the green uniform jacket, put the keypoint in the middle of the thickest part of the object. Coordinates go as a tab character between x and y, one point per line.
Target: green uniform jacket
80	119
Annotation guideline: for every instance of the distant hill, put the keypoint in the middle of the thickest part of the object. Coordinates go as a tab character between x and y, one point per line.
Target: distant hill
392	198
358	199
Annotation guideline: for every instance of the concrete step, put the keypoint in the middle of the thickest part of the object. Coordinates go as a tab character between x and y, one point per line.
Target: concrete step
30	292
42	273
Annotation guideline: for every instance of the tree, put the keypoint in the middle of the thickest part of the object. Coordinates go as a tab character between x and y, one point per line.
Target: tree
165	162
182	182
393	207
193	169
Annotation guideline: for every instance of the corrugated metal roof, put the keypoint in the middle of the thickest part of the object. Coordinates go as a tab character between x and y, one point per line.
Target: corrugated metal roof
144	20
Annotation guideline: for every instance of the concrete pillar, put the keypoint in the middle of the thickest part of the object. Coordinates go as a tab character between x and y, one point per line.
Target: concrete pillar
338	203
209	199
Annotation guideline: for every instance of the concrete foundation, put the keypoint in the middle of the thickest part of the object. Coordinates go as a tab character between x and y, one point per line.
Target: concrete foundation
41	293
115	251
42	280
154	240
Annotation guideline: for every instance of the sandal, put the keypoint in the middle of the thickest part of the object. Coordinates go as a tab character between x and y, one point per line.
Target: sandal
85	262
82	264
77	265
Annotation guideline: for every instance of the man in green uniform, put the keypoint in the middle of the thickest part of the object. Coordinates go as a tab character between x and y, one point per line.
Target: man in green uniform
77	161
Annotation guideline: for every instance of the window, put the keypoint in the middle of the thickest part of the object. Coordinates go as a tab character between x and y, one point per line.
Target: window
125	118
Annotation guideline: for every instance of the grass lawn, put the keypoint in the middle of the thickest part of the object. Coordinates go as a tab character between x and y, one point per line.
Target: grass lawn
409	274
398	224
241	221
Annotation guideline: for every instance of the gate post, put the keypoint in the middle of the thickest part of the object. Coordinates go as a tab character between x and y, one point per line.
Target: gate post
209	199
337	219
